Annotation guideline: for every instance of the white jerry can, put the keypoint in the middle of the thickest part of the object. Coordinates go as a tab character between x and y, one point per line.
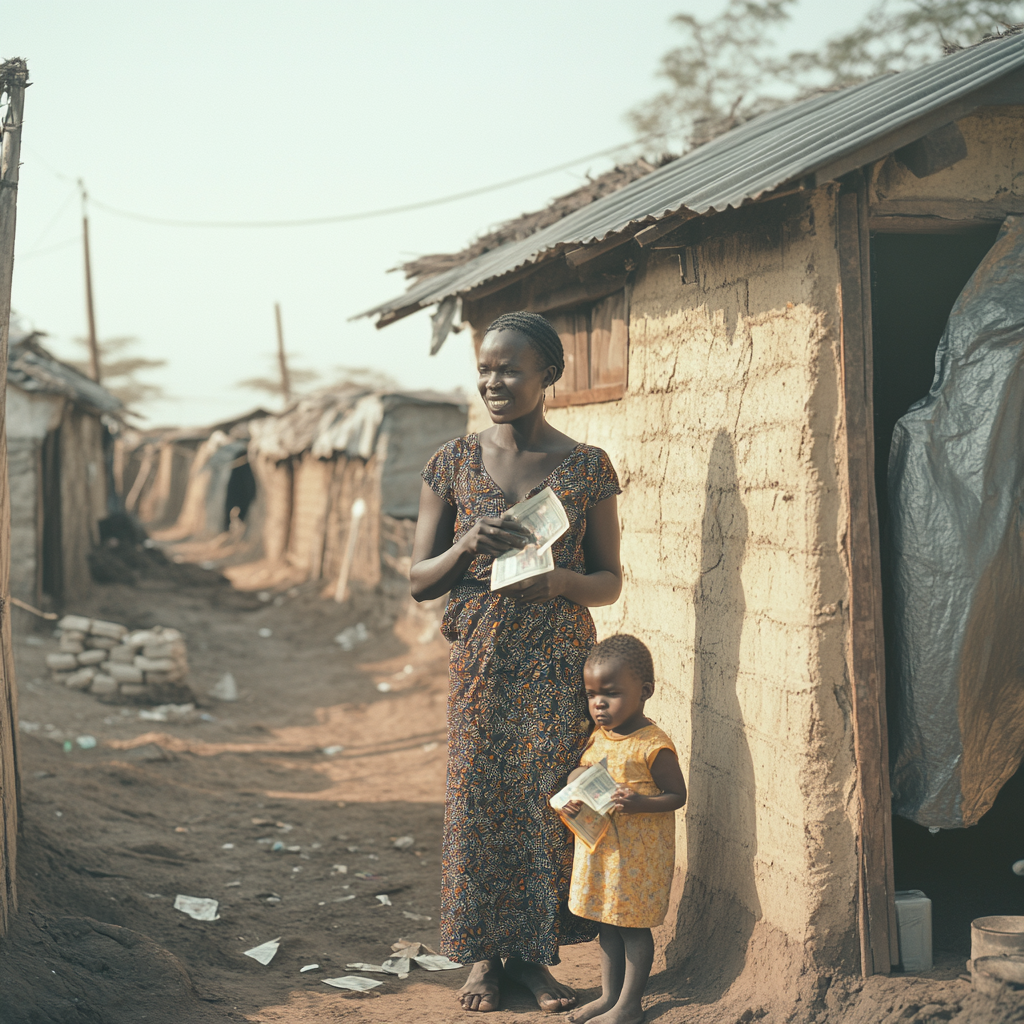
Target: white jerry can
914	929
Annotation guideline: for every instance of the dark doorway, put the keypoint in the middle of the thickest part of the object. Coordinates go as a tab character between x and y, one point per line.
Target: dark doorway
915	280
51	534
240	492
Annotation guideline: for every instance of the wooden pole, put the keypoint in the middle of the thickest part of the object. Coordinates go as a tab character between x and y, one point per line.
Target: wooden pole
94	349
358	511
286	383
13	82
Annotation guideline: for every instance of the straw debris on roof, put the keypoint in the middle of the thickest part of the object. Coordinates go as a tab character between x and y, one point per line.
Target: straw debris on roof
521	227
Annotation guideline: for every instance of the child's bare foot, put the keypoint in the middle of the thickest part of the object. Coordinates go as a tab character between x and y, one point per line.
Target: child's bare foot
620	1015
552	996
591	1010
480	993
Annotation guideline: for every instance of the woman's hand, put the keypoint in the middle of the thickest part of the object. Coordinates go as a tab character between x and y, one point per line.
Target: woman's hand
537	589
489	536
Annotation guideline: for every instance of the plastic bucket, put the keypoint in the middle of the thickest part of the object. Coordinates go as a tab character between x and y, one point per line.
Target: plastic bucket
997	936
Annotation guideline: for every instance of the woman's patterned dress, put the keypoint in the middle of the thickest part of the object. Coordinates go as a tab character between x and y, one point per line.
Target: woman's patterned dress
517	724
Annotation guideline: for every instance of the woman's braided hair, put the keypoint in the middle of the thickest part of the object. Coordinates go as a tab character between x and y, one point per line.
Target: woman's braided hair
626	650
542	336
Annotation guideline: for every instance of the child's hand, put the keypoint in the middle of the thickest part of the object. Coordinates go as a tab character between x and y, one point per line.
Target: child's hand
627	801
572	808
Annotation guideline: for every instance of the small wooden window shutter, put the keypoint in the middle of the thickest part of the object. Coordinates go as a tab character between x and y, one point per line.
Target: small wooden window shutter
595	341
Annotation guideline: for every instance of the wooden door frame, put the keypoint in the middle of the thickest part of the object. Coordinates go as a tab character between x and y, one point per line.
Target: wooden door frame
876	910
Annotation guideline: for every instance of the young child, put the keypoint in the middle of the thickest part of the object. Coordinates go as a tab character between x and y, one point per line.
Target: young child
624	883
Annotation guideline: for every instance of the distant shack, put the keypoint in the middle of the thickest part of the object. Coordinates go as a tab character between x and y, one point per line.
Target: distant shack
59	441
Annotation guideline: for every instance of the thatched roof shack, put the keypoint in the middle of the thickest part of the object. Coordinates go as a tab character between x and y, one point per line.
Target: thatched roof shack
59	444
743	327
328	451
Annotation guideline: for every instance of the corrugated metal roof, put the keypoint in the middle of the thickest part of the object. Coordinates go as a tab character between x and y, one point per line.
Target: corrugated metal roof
31	368
746	162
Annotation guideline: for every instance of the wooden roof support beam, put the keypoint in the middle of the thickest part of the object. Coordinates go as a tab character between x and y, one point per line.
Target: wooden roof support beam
663	227
592	250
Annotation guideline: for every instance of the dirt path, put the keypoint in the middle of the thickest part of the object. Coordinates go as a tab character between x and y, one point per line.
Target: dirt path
113	834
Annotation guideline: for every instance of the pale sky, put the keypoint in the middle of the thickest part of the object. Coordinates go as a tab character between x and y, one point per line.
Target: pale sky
210	109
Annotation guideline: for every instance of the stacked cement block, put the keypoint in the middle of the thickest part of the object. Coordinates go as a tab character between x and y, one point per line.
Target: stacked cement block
147	666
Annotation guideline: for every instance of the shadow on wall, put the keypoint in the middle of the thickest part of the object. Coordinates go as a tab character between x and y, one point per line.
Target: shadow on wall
719	906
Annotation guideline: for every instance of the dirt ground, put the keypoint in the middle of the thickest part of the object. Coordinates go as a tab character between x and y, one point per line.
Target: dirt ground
112	834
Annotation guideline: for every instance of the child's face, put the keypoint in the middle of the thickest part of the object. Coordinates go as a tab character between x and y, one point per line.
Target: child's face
615	693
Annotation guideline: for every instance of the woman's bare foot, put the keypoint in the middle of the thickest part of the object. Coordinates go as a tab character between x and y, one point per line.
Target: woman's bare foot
590	1010
480	993
551	995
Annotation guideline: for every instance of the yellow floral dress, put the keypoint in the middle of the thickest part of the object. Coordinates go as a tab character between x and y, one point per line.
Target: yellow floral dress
627	879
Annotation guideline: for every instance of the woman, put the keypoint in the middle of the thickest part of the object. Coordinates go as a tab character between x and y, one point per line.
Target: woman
517	713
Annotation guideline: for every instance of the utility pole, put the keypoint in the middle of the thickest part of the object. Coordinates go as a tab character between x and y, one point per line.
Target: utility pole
13	82
286	383
94	349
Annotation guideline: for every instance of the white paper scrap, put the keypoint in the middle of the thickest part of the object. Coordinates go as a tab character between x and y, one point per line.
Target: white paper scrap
436	962
374	968
197	907
264	953
384	900
396	965
309	967
353	983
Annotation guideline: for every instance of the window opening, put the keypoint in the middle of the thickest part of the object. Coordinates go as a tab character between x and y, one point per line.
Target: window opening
596	343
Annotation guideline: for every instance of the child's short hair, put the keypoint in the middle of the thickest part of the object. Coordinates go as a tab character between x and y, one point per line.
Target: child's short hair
628	651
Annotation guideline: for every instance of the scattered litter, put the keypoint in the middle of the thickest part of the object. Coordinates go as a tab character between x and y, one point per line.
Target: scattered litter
197	907
309	967
366	876
415	917
86	742
384	900
399	965
228	846
68	746
232	885
291	849
428	747
59	814
225	688
339	869
181	828
265	632
273	899
383	687
331	751
264	953
403	842
28	726
352	849
296	870
344	899
348	638
407	670
166	712
155	895
372	856
207	717
436	962
371	968
277	846
264	596
208	565
353	983
147	752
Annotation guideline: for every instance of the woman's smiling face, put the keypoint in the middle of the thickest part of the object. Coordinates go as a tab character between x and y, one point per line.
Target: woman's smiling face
511	377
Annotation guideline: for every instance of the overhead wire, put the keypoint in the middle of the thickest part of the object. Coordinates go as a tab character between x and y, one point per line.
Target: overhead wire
342	218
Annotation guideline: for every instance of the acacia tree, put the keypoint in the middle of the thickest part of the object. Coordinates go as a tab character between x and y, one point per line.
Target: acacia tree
119	371
733	67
